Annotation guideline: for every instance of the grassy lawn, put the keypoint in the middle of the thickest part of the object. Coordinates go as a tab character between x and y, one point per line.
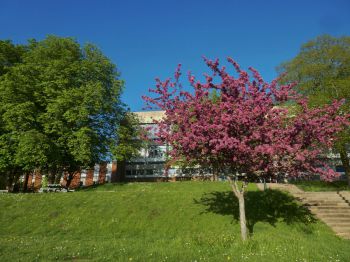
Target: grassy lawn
318	186
183	221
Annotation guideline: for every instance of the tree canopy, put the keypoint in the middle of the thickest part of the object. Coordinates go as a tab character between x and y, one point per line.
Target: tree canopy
322	70
60	106
245	130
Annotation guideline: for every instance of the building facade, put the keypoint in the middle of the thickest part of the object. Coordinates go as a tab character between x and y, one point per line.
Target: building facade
149	165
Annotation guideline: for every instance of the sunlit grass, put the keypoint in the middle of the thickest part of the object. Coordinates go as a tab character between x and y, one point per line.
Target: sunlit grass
182	221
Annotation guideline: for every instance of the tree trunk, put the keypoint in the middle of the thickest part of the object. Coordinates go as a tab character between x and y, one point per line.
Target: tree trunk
242	218
345	162
215	174
69	180
58	177
25	184
51	177
10	182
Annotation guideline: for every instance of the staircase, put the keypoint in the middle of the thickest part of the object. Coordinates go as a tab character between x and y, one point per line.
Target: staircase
333	208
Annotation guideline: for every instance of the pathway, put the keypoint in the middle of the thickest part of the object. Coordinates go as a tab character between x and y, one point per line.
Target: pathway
333	208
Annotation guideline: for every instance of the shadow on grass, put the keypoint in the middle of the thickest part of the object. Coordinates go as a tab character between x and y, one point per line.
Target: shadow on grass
268	206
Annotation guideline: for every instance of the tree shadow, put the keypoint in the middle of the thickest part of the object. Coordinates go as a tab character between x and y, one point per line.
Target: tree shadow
268	206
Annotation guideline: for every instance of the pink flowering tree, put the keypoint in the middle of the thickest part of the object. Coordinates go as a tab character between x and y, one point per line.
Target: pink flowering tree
241	125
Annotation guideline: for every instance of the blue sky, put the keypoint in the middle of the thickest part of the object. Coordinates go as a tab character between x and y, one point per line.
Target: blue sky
147	39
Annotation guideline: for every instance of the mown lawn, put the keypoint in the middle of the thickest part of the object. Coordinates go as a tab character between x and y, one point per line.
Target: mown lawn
319	186
183	221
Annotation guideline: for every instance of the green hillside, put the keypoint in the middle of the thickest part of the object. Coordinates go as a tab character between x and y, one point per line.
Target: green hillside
182	221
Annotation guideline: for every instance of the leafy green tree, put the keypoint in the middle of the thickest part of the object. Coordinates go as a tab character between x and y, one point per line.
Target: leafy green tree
10	54
322	70
129	142
60	106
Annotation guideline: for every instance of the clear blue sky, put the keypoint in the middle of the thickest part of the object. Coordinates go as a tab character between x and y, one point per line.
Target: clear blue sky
149	38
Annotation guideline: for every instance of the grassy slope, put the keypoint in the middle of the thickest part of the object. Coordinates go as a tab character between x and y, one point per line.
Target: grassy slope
319	186
184	221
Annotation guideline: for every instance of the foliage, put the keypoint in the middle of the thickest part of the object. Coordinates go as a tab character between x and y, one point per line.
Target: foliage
245	130
165	216
44	182
60	106
10	54
322	69
129	140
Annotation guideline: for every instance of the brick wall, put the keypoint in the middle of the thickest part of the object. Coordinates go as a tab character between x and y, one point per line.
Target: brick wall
76	180
102	173
37	181
29	182
89	180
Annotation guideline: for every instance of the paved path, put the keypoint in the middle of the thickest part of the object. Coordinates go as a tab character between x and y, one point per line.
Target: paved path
333	208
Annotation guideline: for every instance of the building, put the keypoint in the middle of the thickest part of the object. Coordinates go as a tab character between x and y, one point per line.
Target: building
149	165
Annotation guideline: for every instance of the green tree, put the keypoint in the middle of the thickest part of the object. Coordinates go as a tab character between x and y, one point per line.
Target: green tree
10	54
60	106
322	70
129	142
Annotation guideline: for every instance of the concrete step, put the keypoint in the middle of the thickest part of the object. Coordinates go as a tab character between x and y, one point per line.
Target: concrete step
339	224
335	211
341	229
334	202
333	198
333	215
328	207
324	193
320	197
334	220
344	235
325	205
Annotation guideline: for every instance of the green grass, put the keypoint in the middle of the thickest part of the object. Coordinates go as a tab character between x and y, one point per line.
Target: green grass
318	186
182	221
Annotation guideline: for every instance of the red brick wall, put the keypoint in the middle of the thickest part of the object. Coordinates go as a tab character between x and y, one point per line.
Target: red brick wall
76	180
37	181
29	183
102	173
89	180
114	177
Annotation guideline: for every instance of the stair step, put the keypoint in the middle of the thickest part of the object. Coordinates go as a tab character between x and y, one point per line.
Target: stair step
330	215
341	229
345	235
322	199
343	232
325	202
339	224
342	206
334	220
332	211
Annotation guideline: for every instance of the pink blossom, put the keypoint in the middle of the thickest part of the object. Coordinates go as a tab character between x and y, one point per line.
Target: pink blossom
245	127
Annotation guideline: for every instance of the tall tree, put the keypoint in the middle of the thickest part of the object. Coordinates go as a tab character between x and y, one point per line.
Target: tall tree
65	98
244	131
129	141
10	55
322	70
